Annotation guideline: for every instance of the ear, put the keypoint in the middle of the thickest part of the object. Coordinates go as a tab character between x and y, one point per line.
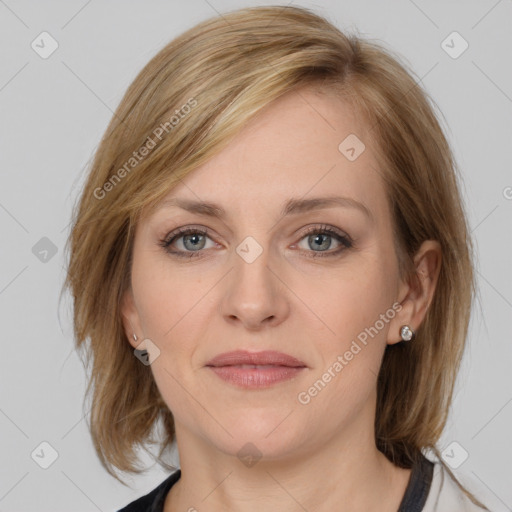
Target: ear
415	296
131	320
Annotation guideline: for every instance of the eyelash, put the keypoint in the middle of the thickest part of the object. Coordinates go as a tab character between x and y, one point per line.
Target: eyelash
344	240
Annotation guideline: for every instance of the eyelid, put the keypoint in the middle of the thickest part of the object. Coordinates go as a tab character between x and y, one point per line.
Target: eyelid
326	228
184	230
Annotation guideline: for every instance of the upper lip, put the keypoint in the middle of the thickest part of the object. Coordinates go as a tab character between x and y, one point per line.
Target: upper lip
267	357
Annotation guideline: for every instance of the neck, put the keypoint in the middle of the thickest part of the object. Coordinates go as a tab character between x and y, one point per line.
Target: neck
344	473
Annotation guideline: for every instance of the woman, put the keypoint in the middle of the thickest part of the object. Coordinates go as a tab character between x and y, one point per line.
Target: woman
270	259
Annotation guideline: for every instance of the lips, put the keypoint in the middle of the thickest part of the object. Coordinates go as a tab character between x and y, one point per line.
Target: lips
255	370
267	358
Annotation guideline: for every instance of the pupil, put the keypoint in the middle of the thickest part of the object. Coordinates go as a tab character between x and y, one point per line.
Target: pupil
318	238
195	238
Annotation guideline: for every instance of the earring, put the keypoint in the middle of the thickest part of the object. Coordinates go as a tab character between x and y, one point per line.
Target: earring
134	337
406	333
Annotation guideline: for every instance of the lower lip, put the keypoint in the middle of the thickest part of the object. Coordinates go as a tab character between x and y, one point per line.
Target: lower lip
261	377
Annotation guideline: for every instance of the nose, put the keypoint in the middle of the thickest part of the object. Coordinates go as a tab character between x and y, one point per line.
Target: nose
256	296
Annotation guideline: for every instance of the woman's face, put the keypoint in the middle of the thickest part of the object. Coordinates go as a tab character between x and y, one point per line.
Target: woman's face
260	280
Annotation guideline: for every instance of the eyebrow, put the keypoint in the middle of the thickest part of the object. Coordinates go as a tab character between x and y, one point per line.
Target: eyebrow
291	207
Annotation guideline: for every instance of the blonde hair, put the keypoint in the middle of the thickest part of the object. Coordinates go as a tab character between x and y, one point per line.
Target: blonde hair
226	69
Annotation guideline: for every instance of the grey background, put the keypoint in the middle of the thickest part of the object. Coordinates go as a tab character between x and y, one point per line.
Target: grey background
53	112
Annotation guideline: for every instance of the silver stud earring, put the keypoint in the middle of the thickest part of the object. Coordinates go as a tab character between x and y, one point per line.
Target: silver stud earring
134	337
406	333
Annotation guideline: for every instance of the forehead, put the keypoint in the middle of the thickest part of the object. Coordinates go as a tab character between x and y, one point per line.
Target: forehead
308	143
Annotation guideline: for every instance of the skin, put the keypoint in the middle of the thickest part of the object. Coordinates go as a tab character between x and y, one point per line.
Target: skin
284	300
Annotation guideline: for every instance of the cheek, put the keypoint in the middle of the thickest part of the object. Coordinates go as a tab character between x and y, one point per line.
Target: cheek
350	299
165	295
169	306
351	355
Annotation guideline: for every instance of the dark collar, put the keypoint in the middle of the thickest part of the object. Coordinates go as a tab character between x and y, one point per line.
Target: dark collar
154	501
419	486
413	501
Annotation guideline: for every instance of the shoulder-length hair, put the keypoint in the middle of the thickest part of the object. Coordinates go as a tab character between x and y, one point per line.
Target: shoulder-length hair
185	106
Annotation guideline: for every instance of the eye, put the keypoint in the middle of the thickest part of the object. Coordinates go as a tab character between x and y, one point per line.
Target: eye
321	238
191	241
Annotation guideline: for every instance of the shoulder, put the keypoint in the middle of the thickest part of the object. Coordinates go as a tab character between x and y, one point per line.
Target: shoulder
154	500
445	495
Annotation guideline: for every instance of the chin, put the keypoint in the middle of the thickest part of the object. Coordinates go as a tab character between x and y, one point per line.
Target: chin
250	450
269	438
